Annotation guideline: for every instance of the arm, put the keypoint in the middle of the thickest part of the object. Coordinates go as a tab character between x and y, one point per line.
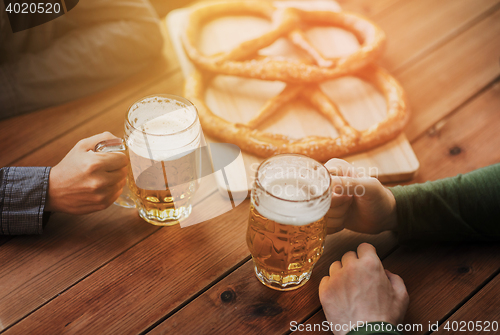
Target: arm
103	42
83	182
465	207
23	194
461	208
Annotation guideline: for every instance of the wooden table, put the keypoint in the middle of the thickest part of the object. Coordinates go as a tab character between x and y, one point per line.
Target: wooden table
111	272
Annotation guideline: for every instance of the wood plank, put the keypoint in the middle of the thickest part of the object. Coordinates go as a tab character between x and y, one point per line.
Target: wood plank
449	76
26	133
464	141
416	27
473	129
253	308
35	269
438	278
146	282
484	306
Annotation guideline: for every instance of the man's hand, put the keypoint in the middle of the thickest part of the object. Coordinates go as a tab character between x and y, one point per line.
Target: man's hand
86	181
360	204
359	289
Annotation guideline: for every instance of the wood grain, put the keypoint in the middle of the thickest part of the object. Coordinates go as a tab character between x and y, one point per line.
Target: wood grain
484	306
439	278
415	27
464	141
446	78
35	269
240	304
147	281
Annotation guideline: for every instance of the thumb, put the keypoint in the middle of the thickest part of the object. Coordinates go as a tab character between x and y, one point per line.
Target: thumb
89	143
348	186
339	167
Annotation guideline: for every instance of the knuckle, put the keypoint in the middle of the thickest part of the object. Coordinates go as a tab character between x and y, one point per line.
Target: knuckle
367	246
334	266
91	166
371	262
100	198
96	184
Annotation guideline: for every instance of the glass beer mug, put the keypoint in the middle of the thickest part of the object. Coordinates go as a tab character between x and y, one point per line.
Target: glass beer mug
287	227
162	140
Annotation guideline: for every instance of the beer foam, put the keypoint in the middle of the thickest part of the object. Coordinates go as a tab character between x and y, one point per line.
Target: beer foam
164	129
295	202
292	190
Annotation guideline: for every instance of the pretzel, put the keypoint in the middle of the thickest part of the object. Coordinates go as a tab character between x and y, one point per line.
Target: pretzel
349	141
236	62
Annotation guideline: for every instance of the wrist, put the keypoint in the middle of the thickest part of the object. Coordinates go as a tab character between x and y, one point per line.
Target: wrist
51	204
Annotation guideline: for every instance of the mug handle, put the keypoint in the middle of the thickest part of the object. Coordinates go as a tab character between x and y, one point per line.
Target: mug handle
117	145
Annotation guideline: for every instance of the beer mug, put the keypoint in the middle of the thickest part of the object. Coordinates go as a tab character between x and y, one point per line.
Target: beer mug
287	226
162	140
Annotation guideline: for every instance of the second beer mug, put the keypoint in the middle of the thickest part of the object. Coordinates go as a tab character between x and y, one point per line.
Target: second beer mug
162	137
287	227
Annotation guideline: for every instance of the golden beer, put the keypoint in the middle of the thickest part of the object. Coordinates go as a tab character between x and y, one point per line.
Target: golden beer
163	190
163	137
284	254
287	226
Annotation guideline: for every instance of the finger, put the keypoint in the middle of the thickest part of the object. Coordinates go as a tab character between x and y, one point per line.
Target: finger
338	187
323	286
339	204
349	187
116	194
366	250
110	161
339	167
104	179
348	258
116	176
336	216
89	143
336	266
397	283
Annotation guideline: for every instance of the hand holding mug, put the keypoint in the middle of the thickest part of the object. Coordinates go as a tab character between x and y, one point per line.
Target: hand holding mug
361	204
86	181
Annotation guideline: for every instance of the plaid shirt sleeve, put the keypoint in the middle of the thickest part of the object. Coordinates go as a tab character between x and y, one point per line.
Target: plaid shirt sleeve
23	193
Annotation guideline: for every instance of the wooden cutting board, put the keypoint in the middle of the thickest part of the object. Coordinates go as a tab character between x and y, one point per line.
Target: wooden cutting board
237	99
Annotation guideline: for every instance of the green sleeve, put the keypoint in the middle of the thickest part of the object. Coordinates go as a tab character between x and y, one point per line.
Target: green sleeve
375	328
462	208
